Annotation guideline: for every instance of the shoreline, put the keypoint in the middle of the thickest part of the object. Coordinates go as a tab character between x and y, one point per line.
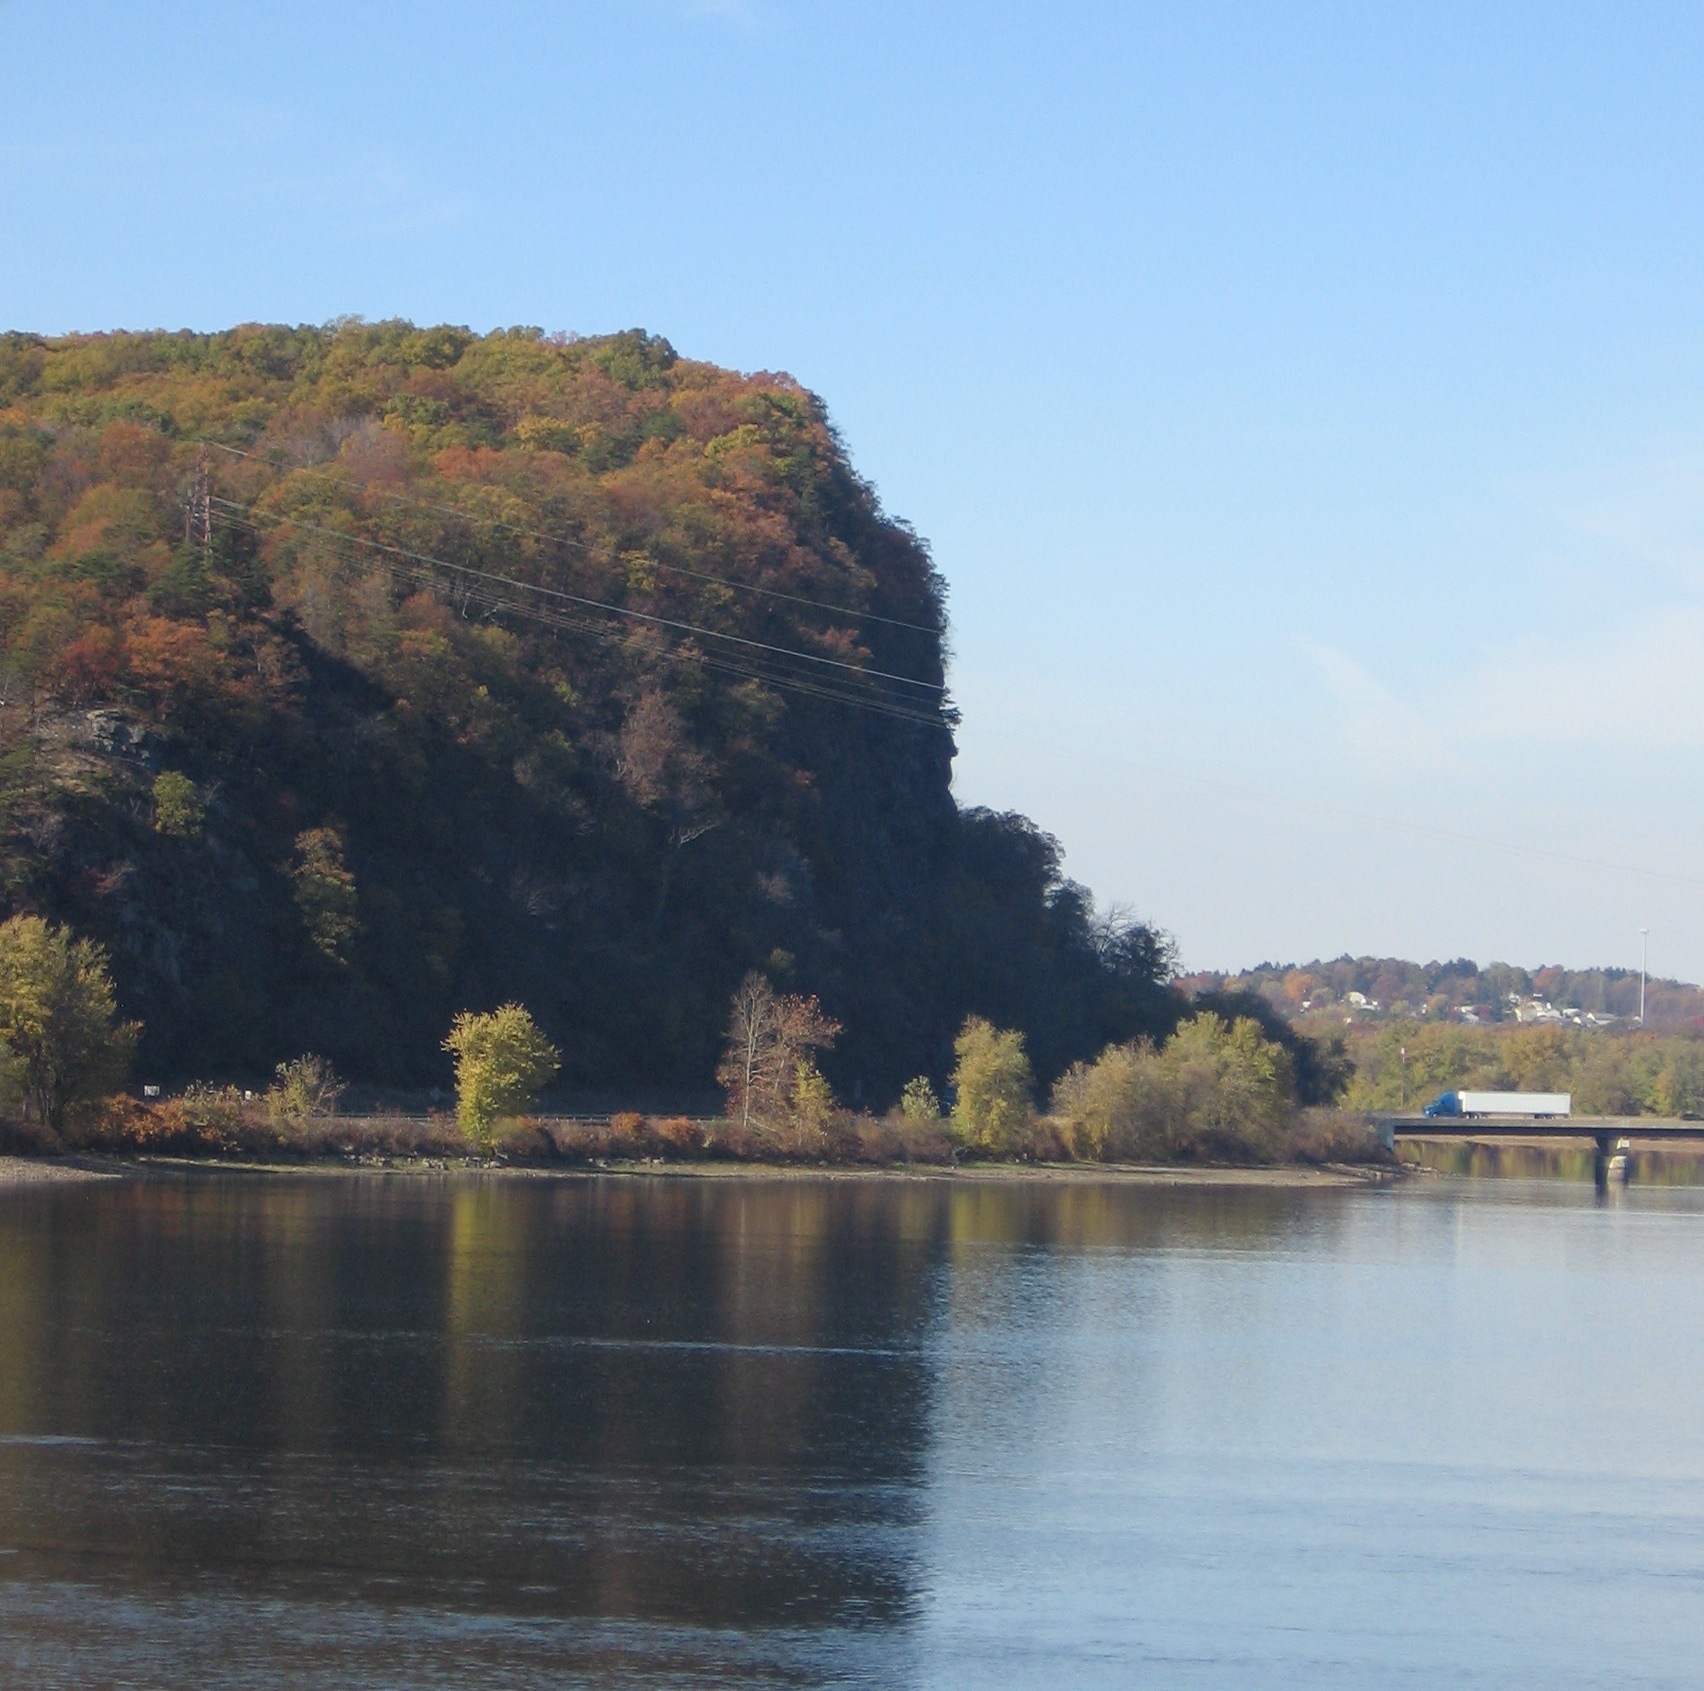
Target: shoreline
51	1171
29	1171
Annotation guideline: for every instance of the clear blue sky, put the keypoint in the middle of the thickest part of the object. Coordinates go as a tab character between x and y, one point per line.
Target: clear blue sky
1305	404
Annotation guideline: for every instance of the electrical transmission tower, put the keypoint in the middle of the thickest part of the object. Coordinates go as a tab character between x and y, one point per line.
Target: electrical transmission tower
198	511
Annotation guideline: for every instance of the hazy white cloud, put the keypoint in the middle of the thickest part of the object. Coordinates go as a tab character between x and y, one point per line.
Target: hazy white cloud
1648	520
1371	720
1632	684
1638	682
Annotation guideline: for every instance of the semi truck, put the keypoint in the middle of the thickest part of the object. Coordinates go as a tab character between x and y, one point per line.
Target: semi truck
1501	1104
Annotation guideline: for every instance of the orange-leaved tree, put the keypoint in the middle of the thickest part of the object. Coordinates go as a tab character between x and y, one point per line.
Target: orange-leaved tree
769	1070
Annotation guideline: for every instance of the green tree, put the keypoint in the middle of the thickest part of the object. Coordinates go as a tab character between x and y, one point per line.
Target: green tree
1234	1090
993	1085
60	1036
1679	1089
325	891
178	811
1217	1090
918	1102
502	1063
813	1100
1116	1108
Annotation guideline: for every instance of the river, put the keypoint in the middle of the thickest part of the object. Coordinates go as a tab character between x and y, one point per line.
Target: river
484	1432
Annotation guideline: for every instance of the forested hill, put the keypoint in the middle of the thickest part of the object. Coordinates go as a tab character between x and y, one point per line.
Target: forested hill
356	675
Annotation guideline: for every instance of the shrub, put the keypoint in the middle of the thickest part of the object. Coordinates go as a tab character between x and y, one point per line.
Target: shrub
1235	1089
122	1123
521	1136
502	1063
993	1084
178	811
1337	1136
306	1088
680	1135
918	1102
213	1114
61	1042
128	1124
1215	1090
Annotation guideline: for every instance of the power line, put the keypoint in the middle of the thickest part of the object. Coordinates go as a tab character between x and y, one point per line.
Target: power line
671	623
606	552
417	568
560	622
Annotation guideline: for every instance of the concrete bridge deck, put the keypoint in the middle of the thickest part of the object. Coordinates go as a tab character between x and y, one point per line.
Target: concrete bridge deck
1543	1127
1605	1132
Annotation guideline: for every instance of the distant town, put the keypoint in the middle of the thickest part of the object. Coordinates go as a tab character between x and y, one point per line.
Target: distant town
1350	990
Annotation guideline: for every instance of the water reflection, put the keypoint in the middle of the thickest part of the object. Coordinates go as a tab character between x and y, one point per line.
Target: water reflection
404	1431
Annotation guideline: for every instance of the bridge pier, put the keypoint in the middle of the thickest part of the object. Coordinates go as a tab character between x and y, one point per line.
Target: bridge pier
1612	1150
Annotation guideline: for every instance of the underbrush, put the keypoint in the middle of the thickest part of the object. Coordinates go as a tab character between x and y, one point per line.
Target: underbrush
844	1138
1337	1136
222	1122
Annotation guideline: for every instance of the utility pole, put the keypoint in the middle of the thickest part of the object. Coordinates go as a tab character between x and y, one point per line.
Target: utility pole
1644	956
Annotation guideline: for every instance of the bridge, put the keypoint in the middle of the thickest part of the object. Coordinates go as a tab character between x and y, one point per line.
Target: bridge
1606	1132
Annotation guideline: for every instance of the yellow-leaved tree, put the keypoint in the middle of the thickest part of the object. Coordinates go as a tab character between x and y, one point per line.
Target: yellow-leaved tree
503	1062
993	1084
61	1042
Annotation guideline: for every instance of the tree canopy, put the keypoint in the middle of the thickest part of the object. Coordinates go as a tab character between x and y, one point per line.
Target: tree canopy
350	675
61	1042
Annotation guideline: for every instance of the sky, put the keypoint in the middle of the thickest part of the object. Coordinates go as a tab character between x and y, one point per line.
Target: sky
1304	404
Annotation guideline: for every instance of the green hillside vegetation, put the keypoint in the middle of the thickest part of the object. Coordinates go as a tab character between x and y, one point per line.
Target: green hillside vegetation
352	678
1614	1068
1614	1074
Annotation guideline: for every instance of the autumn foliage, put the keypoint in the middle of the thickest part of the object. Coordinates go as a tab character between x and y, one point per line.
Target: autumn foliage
501	666
769	1067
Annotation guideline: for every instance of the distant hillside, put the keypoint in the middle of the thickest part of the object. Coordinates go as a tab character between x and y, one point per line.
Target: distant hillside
460	668
1392	988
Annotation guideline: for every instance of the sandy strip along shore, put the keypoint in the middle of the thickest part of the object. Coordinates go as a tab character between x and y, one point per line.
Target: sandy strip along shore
31	1171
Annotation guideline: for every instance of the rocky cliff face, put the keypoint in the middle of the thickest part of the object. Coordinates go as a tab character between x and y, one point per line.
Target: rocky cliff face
497	667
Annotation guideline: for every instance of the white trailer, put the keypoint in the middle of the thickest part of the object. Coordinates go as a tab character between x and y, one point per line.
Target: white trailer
1527	1104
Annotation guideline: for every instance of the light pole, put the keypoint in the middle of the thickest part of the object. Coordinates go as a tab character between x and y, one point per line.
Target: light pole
1644	954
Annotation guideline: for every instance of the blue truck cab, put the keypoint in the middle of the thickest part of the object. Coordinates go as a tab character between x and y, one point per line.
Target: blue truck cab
1445	1104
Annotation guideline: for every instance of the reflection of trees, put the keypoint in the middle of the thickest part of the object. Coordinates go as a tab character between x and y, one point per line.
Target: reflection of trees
1078	1215
695	1400
674	1400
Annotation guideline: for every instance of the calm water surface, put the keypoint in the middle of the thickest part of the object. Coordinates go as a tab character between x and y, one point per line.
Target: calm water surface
397	1432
